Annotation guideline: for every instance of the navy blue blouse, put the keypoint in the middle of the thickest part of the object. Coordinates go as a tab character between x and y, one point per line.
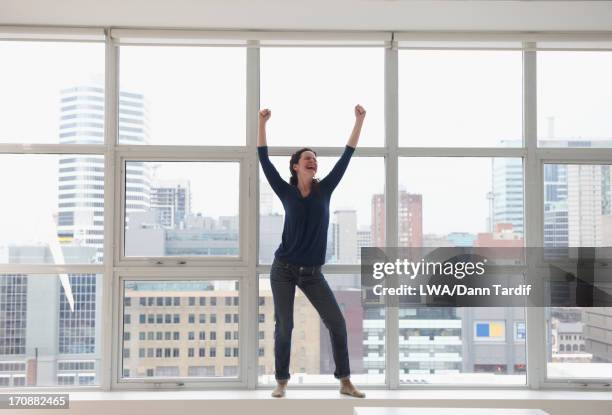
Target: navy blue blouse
304	239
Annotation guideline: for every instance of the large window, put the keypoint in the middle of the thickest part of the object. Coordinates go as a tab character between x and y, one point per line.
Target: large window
129	163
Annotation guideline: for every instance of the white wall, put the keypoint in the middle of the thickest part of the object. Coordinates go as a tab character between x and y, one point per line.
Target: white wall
315	14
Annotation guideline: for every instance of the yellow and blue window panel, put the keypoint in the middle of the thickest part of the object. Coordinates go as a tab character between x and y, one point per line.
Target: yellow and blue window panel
489	329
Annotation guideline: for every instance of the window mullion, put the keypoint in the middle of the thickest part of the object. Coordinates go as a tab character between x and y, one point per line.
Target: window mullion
110	329
391	203
533	205
251	344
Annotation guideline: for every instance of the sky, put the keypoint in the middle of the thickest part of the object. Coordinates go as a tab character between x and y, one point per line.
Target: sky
197	96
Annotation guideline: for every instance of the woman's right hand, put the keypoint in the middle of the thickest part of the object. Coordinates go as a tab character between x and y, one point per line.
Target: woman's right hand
264	115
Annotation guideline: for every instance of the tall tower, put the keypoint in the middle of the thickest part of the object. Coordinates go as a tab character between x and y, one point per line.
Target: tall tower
410	220
171	199
556	234
584	201
507	197
345	235
81	177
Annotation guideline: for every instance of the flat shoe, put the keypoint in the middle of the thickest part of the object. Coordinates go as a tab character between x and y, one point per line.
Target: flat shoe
354	393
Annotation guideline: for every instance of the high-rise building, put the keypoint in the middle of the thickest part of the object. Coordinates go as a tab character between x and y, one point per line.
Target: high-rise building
507	193
597	333
465	239
556	233
410	219
430	340
171	200
493	340
364	239
585	204
191	329
378	234
576	199
266	199
345	238
81	178
80	219
502	236
270	233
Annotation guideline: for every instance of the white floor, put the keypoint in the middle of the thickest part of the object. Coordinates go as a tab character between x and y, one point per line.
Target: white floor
445	411
323	402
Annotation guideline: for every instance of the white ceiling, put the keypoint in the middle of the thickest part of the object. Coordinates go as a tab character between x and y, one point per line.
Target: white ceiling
315	14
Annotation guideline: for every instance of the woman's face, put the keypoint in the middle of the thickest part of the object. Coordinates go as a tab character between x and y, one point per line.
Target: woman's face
307	165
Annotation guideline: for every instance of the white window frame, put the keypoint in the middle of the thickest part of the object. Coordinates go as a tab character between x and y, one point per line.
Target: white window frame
115	269
182	155
180	274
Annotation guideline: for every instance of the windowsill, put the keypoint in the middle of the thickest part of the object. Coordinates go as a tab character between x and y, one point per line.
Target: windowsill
309	394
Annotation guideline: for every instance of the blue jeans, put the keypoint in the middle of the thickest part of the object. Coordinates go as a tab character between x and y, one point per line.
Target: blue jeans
283	279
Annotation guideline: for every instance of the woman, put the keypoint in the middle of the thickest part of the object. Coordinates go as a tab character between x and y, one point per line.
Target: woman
298	259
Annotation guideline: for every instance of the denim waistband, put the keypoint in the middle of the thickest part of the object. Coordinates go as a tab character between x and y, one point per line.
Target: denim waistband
299	268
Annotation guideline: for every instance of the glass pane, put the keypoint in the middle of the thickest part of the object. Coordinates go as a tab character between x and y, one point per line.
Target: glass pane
577	214
50	330
350	212
56	214
577	208
441	204
579	343
52	92
312	93
182	95
312	360
574	99
170	210
462	345
460	98
179	329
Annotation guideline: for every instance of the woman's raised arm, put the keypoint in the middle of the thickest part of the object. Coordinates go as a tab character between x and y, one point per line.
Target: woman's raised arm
276	181
264	116
359	117
333	178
